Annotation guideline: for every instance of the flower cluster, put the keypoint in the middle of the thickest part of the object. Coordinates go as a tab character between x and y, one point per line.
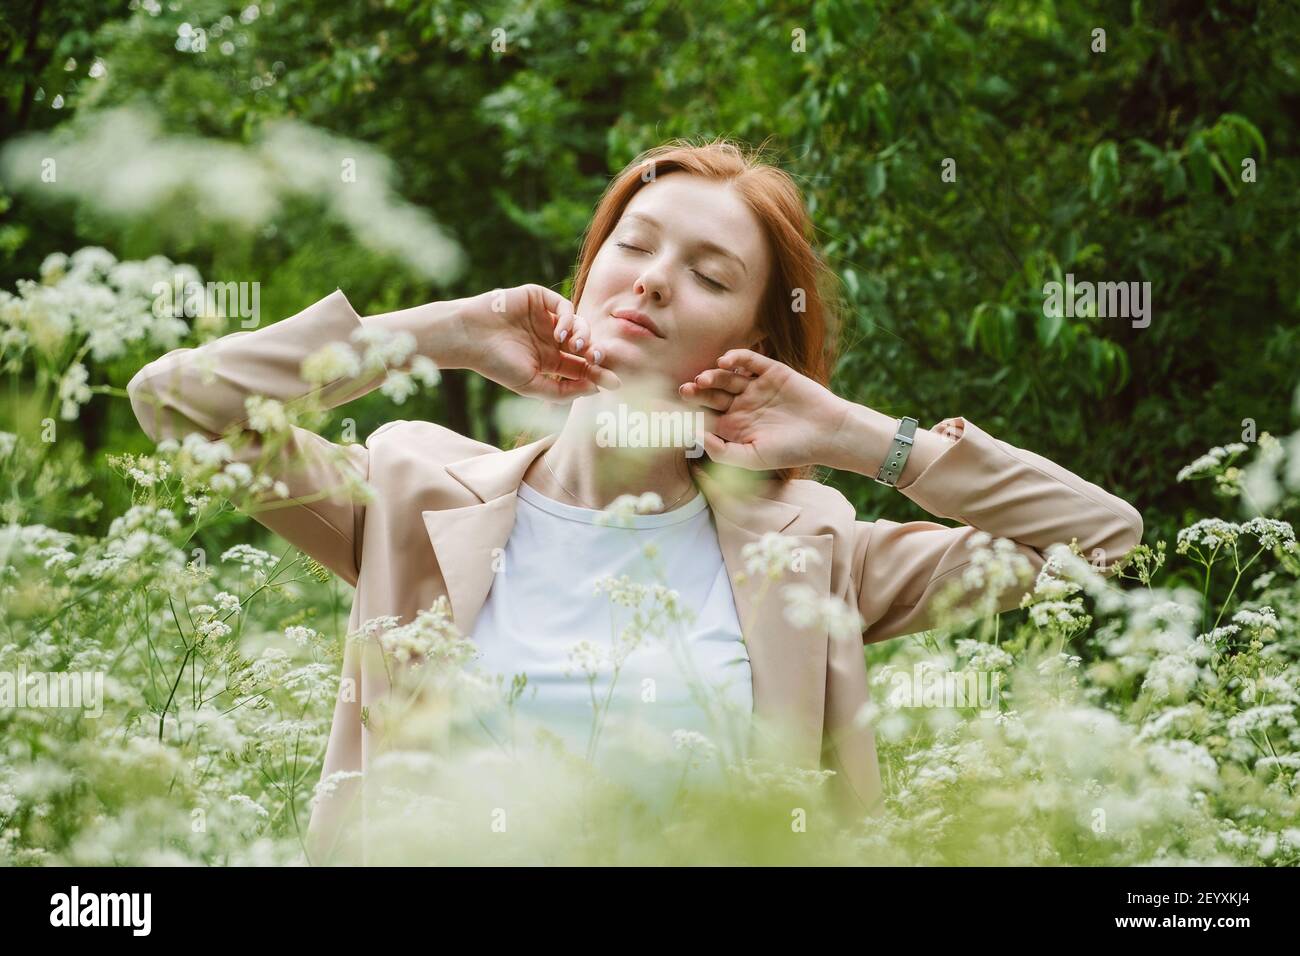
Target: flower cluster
383	352
430	639
773	556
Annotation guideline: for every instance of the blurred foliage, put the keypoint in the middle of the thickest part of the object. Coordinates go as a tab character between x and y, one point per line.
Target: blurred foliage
506	119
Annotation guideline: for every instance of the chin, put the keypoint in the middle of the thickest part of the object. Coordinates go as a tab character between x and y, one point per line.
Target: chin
623	356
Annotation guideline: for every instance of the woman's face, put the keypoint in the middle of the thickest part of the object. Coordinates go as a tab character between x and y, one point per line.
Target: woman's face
689	254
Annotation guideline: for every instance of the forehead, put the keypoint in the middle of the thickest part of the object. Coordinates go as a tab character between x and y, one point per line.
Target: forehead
698	209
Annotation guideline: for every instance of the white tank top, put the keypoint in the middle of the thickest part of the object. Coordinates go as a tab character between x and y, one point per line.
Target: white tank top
543	601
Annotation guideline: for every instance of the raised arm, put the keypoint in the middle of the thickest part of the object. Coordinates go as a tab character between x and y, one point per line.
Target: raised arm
774	417
203	390
986	484
506	335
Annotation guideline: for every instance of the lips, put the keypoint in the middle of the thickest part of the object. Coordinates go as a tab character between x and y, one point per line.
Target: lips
638	318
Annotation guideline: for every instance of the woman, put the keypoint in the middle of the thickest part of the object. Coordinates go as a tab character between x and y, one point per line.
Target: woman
697	290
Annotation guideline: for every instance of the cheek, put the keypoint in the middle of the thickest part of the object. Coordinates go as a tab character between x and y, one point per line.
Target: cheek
712	334
606	280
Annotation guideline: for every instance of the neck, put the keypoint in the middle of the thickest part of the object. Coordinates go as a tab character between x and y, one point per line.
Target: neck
630	441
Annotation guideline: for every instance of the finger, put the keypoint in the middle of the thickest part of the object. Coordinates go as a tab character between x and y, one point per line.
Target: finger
745	360
580	340
565	389
562	390
717	378
731	453
602	376
562	328
948	428
714	398
740	454
563	364
576	368
550	299
565	310
714	447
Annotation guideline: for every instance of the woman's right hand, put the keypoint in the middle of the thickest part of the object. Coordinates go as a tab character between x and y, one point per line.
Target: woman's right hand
512	341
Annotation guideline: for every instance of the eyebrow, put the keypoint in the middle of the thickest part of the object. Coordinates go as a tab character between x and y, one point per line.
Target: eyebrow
702	243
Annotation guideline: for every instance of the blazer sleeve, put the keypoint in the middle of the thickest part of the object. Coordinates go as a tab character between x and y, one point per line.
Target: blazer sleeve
990	486
203	389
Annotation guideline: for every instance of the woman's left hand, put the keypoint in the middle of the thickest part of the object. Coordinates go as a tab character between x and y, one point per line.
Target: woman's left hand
769	415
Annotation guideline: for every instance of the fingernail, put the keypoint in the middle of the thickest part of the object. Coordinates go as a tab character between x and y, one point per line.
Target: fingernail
596	356
577	345
564	334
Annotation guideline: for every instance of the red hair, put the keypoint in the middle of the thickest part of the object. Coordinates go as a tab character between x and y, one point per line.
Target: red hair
800	330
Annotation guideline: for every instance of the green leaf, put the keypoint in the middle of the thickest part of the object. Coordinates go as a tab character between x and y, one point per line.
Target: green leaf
1149	150
993	325
1103	167
1049	327
875	180
1247	129
1217	165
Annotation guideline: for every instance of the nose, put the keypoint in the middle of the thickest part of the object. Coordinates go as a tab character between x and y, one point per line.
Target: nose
652	283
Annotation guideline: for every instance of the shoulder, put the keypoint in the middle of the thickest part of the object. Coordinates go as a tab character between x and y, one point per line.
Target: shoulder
426	440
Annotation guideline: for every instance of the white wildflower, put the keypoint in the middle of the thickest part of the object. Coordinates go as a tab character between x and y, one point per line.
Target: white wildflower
424	370
1208	533
266	415
207	454
248	557
384	349
1270	531
331	362
329	785
73	391
805	607
245	802
212	629
774	554
398	386
300	635
1211	461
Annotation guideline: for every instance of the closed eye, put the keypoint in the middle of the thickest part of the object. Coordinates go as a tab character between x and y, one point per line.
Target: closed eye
712	283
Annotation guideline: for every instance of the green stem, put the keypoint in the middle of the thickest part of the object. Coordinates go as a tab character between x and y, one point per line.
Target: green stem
1240	571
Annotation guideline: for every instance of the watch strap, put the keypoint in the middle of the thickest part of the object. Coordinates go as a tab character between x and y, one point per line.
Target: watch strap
899	449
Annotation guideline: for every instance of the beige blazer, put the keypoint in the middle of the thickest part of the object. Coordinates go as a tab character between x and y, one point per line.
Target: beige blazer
445	501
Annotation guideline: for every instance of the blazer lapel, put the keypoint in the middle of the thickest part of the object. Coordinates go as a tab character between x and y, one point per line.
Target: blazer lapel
788	663
466	539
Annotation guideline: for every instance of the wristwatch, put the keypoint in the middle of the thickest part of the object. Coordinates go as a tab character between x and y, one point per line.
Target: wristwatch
901	447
